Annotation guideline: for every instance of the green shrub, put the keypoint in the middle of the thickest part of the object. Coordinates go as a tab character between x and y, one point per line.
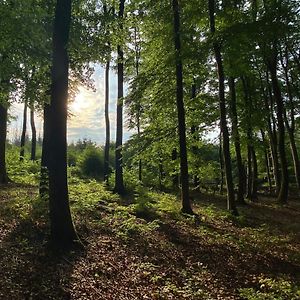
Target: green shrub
91	163
72	158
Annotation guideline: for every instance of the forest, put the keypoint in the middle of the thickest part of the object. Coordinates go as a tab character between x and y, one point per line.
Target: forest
202	201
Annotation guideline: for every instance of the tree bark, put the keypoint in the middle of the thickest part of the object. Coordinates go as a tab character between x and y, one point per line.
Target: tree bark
23	136
44	179
251	157
221	159
223	121
33	134
266	154
107	124
119	184
294	151
272	163
62	228
137	66
272	132
254	185
184	175
194	133
284	187
3	131
237	144
249	170
290	126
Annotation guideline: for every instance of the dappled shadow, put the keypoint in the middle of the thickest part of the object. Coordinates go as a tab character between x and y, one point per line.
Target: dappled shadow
127	259
29	267
223	265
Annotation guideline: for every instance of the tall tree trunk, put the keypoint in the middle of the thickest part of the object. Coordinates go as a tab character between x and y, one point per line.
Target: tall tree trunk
33	134
254	186
194	133
44	179
249	170
184	175
284	187
251	163
290	125
223	122
237	144
137	67
273	137
294	151
3	131
62	228
221	159
119	184
107	124
267	161
23	136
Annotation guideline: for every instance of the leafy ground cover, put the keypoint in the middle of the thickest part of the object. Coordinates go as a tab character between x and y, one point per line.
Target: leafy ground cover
141	247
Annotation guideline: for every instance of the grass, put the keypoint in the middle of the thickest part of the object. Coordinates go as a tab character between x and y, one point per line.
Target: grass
141	247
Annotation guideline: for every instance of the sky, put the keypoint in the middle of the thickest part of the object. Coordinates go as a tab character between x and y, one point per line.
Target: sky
86	113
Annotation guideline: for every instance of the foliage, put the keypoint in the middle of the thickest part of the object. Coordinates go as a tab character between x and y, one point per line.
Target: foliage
27	171
90	162
269	288
162	252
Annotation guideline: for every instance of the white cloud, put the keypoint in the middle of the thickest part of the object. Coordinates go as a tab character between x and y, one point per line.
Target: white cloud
86	118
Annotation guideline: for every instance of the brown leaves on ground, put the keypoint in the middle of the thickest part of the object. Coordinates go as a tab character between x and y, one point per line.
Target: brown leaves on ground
177	259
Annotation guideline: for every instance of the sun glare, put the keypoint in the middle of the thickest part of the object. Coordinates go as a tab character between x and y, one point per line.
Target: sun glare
79	103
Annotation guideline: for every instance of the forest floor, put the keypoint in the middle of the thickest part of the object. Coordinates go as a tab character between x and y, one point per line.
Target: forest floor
141	247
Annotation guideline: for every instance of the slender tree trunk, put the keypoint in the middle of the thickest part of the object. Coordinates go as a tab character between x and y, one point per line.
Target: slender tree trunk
3	130
221	159
266	154
290	125
272	137
44	180
62	228
194	133
33	134
137	67
252	162
255	175
294	150
23	136
184	175
284	187
273	144
249	171
107	124
237	144
223	122
119	184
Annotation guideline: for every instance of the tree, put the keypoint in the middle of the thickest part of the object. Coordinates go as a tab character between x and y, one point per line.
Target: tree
3	128
119	184
237	144
184	175
107	124
222	106
33	134
62	228
23	136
